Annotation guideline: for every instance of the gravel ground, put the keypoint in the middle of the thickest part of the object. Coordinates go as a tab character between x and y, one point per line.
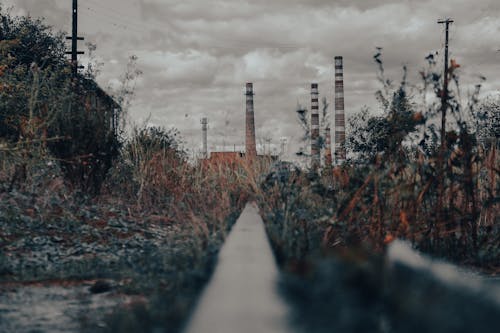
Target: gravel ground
53	308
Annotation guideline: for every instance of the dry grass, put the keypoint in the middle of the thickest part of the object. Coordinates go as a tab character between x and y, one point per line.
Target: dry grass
371	205
156	227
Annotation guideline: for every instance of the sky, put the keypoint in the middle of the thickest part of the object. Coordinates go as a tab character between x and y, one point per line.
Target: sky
197	55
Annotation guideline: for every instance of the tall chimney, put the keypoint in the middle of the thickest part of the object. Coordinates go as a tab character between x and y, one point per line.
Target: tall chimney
340	153
204	124
315	149
328	146
251	148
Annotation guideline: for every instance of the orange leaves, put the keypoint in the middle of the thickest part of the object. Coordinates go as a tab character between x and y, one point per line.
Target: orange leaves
159	220
404	225
418	117
30	212
422	193
29	128
404	219
389	239
453	66
357	196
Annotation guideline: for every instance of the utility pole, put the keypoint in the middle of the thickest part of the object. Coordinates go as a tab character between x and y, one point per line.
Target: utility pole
444	94
442	216
74	40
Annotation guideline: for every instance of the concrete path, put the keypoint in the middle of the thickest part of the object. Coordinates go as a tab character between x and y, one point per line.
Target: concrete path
241	296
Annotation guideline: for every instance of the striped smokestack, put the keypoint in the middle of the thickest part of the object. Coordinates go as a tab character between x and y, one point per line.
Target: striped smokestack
315	149
204	125
328	147
340	153
251	148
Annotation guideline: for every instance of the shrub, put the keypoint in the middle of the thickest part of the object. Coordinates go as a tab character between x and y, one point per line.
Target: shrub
398	183
41	104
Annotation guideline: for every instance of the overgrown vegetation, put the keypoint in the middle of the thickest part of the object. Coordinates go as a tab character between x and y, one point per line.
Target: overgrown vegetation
43	107
80	202
154	231
330	231
389	189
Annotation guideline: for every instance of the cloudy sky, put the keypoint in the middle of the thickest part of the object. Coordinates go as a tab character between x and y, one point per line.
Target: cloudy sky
196	55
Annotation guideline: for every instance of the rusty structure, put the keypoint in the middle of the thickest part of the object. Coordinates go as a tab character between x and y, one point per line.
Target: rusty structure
250	145
315	144
236	157
96	101
340	152
204	127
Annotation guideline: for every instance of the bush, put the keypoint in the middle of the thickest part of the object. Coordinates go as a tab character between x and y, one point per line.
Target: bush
398	183
41	104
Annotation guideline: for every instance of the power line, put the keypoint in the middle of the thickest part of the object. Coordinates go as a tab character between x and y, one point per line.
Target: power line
116	18
121	23
161	27
126	18
232	43
116	23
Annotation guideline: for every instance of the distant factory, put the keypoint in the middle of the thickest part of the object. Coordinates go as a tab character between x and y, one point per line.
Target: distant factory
320	138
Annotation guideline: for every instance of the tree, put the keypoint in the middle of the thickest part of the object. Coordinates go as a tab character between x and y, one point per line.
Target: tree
42	104
488	120
373	135
34	77
385	134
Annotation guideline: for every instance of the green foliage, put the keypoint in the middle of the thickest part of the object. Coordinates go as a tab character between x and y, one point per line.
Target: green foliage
488	119
26	41
41	103
90	144
151	166
385	135
149	141
390	187
33	73
290	204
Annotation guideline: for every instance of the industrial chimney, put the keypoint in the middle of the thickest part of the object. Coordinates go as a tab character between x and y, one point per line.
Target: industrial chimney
204	124
340	153
315	149
328	146
251	148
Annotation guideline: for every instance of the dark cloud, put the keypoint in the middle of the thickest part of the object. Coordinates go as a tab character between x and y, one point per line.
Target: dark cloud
196	55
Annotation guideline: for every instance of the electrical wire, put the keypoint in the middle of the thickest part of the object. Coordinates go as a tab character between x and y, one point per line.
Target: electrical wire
115	22
120	16
125	20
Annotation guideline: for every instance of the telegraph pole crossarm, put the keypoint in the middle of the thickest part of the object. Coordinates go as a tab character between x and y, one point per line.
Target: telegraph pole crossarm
74	40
